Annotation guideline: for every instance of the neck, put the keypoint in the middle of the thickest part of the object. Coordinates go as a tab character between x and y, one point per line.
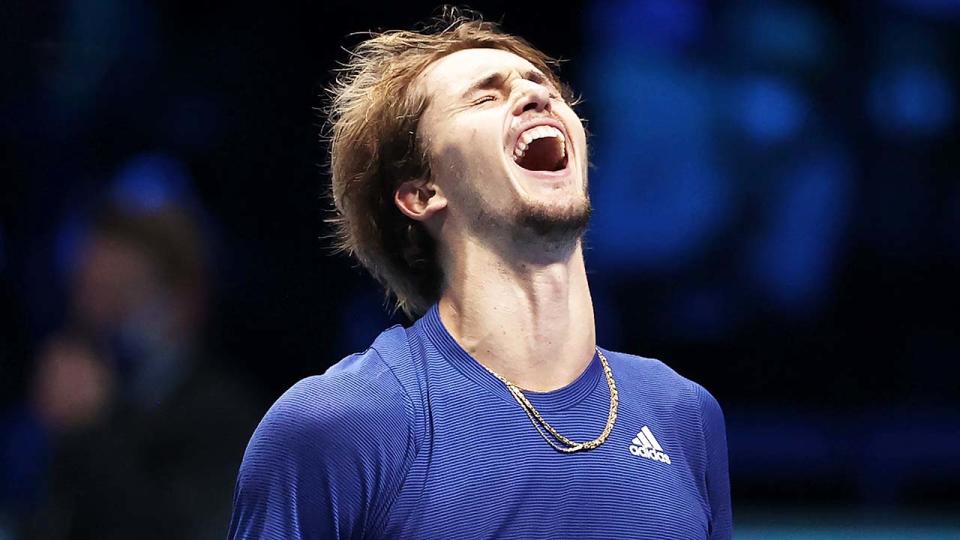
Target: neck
531	321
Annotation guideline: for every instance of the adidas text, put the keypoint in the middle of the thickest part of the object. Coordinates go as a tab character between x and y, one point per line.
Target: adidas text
646	445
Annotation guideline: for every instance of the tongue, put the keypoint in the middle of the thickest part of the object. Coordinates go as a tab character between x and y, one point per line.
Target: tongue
543	155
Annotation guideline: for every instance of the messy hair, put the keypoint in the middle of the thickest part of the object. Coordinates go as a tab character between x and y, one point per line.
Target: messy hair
372	121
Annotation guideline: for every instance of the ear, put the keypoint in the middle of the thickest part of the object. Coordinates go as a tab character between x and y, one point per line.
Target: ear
419	199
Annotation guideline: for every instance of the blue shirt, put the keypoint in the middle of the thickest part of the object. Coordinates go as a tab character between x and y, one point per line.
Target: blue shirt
414	439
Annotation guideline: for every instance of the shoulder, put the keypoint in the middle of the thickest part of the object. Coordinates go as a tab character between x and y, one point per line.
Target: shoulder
657	378
663	386
358	395
684	413
329	456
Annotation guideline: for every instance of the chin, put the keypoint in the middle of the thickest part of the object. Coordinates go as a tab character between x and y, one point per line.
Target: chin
554	223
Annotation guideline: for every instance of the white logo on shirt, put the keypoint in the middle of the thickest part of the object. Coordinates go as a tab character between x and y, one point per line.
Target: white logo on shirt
646	445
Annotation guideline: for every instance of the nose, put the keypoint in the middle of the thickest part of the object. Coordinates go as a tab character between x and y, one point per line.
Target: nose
533	97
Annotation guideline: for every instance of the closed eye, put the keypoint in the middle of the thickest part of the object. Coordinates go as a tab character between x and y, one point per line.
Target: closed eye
483	100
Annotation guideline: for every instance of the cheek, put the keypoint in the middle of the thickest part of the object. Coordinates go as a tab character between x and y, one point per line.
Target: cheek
467	152
579	134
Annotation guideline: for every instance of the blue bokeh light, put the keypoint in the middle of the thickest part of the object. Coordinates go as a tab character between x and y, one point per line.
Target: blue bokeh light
780	33
911	100
656	181
150	182
666	25
769	110
791	261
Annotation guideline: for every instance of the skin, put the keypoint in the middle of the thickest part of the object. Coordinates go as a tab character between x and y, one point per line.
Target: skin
516	295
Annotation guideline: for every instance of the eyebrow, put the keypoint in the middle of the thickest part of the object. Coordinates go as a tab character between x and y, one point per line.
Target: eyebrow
495	80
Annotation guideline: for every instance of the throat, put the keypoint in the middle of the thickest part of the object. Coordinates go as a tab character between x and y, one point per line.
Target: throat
538	345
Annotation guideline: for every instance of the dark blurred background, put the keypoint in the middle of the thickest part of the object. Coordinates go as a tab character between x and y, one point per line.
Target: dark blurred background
777	195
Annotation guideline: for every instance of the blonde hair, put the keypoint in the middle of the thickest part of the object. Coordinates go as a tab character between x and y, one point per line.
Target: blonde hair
372	124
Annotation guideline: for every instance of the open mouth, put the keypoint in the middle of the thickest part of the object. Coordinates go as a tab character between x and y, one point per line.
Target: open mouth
541	148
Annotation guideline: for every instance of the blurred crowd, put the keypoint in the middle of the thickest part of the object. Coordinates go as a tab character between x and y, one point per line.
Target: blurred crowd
128	429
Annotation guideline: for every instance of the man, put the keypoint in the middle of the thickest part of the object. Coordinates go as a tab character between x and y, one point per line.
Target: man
460	178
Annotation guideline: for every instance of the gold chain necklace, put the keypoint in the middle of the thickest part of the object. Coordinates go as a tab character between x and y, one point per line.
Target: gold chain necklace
544	427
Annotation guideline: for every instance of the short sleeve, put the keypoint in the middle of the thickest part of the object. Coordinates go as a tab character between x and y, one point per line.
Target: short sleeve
328	457
717	473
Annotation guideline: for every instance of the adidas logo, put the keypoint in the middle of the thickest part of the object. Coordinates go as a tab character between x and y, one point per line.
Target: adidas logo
646	445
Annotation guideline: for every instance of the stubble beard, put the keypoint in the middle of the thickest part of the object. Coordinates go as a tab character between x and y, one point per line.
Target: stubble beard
549	229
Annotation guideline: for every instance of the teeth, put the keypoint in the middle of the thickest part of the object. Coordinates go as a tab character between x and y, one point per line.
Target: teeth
539	132
520	150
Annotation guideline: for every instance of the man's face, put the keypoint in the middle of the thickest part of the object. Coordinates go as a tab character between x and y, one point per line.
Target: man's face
505	149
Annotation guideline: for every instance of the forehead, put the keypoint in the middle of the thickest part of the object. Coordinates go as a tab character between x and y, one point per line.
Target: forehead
455	72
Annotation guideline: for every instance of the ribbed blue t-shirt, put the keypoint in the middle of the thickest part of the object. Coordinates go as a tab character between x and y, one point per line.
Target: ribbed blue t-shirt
413	438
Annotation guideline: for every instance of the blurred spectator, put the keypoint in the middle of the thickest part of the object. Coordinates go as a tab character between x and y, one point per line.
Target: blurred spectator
145	434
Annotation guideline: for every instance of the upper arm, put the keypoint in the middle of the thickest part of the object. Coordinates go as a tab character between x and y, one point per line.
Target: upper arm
717	474
325	460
